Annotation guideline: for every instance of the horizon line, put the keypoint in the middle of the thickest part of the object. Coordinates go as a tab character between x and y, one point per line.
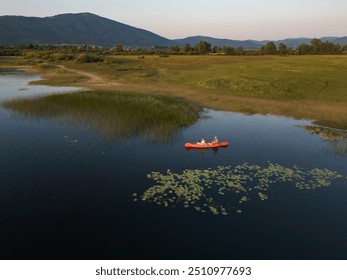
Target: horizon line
183	37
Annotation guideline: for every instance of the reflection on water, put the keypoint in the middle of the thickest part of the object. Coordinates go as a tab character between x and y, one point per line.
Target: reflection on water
116	116
15	83
10	71
335	138
205	190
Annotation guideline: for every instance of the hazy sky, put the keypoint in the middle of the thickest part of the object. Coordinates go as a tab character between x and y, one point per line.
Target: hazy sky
241	19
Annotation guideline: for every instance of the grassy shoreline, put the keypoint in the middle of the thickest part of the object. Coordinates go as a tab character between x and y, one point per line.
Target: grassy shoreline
304	87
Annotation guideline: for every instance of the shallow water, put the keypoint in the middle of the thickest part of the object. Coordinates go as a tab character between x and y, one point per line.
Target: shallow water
67	193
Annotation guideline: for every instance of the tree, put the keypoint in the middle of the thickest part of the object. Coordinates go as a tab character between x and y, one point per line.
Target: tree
331	48
175	49
31	46
305	49
240	51
270	48
317	46
282	49
228	50
118	48
187	48
262	50
215	49
203	47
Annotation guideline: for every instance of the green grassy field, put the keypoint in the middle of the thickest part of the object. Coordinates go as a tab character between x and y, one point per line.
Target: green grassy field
312	87
273	77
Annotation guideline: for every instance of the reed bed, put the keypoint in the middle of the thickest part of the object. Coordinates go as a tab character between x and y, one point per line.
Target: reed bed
116	115
335	138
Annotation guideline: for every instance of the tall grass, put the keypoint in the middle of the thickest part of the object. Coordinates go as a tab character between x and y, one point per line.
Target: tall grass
8	61
335	138
270	77
115	115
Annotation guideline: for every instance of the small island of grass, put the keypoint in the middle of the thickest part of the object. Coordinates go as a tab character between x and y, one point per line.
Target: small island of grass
115	115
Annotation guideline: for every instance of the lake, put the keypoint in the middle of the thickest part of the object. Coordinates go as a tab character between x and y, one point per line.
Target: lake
69	192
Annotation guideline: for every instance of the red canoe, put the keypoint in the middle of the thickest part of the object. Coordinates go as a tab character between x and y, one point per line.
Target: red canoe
206	146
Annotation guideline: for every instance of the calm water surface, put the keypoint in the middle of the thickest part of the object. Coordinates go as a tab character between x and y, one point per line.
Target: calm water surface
67	193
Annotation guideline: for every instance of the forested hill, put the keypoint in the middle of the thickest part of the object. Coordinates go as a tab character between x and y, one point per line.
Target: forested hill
90	29
82	28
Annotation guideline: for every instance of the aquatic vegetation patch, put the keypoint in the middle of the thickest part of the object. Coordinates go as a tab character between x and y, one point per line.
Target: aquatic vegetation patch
327	133
227	189
116	115
335	138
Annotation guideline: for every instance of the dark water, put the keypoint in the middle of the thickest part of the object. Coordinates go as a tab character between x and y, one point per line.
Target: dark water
66	193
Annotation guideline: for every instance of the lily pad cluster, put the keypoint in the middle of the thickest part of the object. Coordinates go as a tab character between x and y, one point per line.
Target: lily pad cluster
226	189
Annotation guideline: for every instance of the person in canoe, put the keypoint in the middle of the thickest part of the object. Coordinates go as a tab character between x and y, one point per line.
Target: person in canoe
215	143
215	140
202	142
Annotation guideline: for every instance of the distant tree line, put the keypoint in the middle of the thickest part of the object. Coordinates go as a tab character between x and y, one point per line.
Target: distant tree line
87	54
50	53
317	47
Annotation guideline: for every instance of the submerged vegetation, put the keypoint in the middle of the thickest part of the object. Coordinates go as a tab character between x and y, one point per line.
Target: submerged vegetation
227	189
115	115
336	138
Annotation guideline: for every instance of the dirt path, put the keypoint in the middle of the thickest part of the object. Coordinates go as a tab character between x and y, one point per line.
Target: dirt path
94	80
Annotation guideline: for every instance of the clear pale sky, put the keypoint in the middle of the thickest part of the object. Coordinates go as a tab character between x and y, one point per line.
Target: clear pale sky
241	19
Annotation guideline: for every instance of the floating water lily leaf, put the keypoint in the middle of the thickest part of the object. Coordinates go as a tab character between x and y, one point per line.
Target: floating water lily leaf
217	190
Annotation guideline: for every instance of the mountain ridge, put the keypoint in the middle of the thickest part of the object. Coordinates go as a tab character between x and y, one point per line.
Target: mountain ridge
91	29
81	28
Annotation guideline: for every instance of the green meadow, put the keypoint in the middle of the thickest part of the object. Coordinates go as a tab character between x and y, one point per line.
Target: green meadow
311	87
270	77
